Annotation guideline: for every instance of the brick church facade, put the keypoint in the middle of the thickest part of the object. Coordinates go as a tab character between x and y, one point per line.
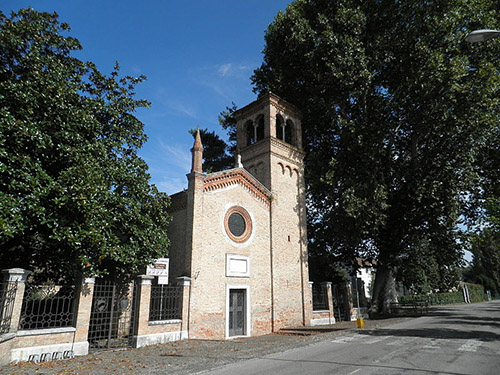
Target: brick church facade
240	234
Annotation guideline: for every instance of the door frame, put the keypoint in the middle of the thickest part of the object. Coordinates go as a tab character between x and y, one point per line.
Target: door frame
248	325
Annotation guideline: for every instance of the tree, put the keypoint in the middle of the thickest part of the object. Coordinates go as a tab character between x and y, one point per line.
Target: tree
485	268
215	156
397	109
75	198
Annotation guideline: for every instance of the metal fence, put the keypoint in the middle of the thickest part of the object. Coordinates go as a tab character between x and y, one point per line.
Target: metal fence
47	306
320	298
7	296
166	302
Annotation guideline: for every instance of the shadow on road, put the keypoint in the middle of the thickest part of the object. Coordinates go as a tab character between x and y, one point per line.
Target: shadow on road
371	365
436	333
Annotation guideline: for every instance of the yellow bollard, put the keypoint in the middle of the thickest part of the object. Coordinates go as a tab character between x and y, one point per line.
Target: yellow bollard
361	322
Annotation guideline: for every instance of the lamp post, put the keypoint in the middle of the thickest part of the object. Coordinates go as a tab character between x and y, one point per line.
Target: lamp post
482	35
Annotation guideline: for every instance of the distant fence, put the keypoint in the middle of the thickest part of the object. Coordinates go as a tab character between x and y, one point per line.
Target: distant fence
7	297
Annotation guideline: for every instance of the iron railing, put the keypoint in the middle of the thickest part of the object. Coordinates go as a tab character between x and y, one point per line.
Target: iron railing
320	298
166	302
47	306
7	296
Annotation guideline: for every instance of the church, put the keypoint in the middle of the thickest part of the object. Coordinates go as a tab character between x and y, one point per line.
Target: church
240	234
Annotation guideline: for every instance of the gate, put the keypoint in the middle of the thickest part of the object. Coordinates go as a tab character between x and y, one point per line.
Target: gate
113	315
340	302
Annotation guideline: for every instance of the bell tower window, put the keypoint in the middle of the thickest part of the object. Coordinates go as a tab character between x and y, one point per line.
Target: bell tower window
284	130
255	130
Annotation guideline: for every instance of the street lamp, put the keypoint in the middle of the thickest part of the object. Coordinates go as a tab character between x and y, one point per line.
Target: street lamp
482	35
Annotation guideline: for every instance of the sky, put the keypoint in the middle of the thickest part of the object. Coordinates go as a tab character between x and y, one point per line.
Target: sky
197	55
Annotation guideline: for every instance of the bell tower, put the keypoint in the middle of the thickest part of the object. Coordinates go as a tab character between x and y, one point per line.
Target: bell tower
269	140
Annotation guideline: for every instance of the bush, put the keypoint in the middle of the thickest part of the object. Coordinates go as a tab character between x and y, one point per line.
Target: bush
476	294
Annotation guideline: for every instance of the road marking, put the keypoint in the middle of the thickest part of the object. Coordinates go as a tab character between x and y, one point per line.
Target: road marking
402	341
376	339
355	371
431	346
343	340
470	346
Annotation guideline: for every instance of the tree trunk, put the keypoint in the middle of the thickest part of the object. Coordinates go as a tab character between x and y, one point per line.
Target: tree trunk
384	290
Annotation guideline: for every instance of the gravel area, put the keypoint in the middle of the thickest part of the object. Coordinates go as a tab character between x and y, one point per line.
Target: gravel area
189	356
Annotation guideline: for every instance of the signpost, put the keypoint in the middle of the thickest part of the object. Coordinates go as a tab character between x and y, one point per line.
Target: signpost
159	269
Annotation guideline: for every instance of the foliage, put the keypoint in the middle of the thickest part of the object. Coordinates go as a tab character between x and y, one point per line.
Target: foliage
215	156
485	268
433	299
74	196
228	123
398	113
476	292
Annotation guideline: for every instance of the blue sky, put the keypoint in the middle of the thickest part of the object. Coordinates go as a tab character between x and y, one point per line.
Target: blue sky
198	56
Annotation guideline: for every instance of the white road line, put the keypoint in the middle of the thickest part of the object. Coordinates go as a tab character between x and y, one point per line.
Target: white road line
431	346
470	346
376	339
343	340
355	371
402	341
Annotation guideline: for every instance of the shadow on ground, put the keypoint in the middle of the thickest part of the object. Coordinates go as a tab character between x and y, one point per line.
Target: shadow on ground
437	333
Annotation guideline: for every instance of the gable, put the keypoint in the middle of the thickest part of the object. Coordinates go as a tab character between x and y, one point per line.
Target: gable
237	176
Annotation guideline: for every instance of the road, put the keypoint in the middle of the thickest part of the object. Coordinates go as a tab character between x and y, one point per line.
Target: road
454	340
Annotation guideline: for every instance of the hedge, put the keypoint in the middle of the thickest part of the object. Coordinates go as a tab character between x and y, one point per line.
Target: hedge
476	294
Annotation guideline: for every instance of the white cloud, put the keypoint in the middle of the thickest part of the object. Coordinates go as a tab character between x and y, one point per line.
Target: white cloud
229	69
224	79
172	185
182	109
176	155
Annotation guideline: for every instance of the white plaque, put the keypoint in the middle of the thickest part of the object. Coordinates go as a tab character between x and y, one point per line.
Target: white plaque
237	265
160	269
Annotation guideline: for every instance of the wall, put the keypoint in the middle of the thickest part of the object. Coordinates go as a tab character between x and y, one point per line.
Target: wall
210	246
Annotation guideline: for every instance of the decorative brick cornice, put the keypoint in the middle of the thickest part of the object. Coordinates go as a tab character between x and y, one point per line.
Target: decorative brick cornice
221	180
296	152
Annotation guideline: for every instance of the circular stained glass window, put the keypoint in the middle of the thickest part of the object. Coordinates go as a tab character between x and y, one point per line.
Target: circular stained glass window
238	224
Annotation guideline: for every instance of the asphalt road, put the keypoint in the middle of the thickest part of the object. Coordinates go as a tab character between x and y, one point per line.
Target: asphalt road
454	340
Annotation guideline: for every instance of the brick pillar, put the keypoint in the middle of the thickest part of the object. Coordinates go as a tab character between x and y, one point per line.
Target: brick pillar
328	287
18	275
143	302
185	282
83	308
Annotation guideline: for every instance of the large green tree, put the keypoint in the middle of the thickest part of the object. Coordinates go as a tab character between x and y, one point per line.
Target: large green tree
75	198
397	112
